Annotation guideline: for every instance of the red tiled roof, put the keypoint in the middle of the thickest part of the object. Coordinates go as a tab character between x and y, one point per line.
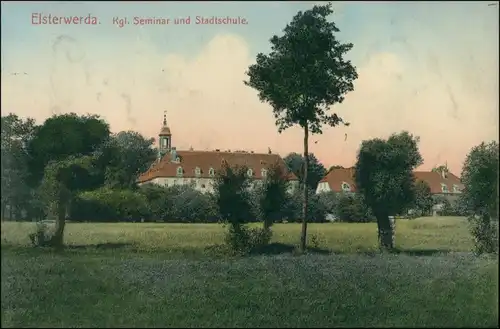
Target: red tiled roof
435	180
336	177
190	160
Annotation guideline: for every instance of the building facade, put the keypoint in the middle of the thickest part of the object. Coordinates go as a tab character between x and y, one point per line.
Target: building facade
198	168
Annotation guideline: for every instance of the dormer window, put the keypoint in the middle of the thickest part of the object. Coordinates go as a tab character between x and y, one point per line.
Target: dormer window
444	188
346	187
177	159
456	189
211	172
197	171
179	171
250	172
263	172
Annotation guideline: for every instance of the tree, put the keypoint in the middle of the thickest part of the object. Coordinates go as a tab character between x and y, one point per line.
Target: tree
335	167
423	197
16	134
315	170
61	181
231	188
384	176
232	198
124	156
273	195
62	136
480	196
304	74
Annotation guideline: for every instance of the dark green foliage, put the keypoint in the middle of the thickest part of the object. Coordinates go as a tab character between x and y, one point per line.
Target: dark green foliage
189	206
305	72
352	209
106	204
273	195
384	176
61	136
123	156
159	202
303	75
61	181
454	208
231	195
485	233
15	196
243	240
328	202
423	199
316	209
315	170
480	197
480	177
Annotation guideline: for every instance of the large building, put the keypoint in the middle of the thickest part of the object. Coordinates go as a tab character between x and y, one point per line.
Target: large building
440	182
198	168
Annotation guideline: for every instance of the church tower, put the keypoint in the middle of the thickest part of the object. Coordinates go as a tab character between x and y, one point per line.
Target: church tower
165	138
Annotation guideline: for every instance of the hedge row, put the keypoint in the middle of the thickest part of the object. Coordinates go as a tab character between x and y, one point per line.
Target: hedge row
184	204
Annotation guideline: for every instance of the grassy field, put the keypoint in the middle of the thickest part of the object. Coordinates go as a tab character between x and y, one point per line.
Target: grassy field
431	234
157	275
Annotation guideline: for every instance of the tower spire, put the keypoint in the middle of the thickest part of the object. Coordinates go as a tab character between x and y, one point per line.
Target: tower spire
164	118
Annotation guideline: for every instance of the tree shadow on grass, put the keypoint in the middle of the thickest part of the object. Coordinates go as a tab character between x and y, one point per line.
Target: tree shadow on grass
101	246
271	249
420	252
282	248
404	251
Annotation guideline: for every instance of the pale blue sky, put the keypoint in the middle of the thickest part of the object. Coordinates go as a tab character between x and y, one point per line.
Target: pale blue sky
431	68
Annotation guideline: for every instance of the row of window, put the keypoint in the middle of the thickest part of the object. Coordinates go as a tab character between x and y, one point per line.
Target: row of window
187	181
456	188
444	188
211	172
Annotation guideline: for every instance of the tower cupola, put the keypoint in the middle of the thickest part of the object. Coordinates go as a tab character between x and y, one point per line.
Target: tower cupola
165	138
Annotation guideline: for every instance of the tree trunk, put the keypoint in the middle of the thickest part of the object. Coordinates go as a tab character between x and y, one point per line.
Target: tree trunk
385	232
303	235
57	239
267	224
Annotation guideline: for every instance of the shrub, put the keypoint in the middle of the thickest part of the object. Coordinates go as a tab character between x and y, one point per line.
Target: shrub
159	200
105	204
185	204
352	209
272	195
485	233
292	211
328	202
243	240
232	197
455	208
42	235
